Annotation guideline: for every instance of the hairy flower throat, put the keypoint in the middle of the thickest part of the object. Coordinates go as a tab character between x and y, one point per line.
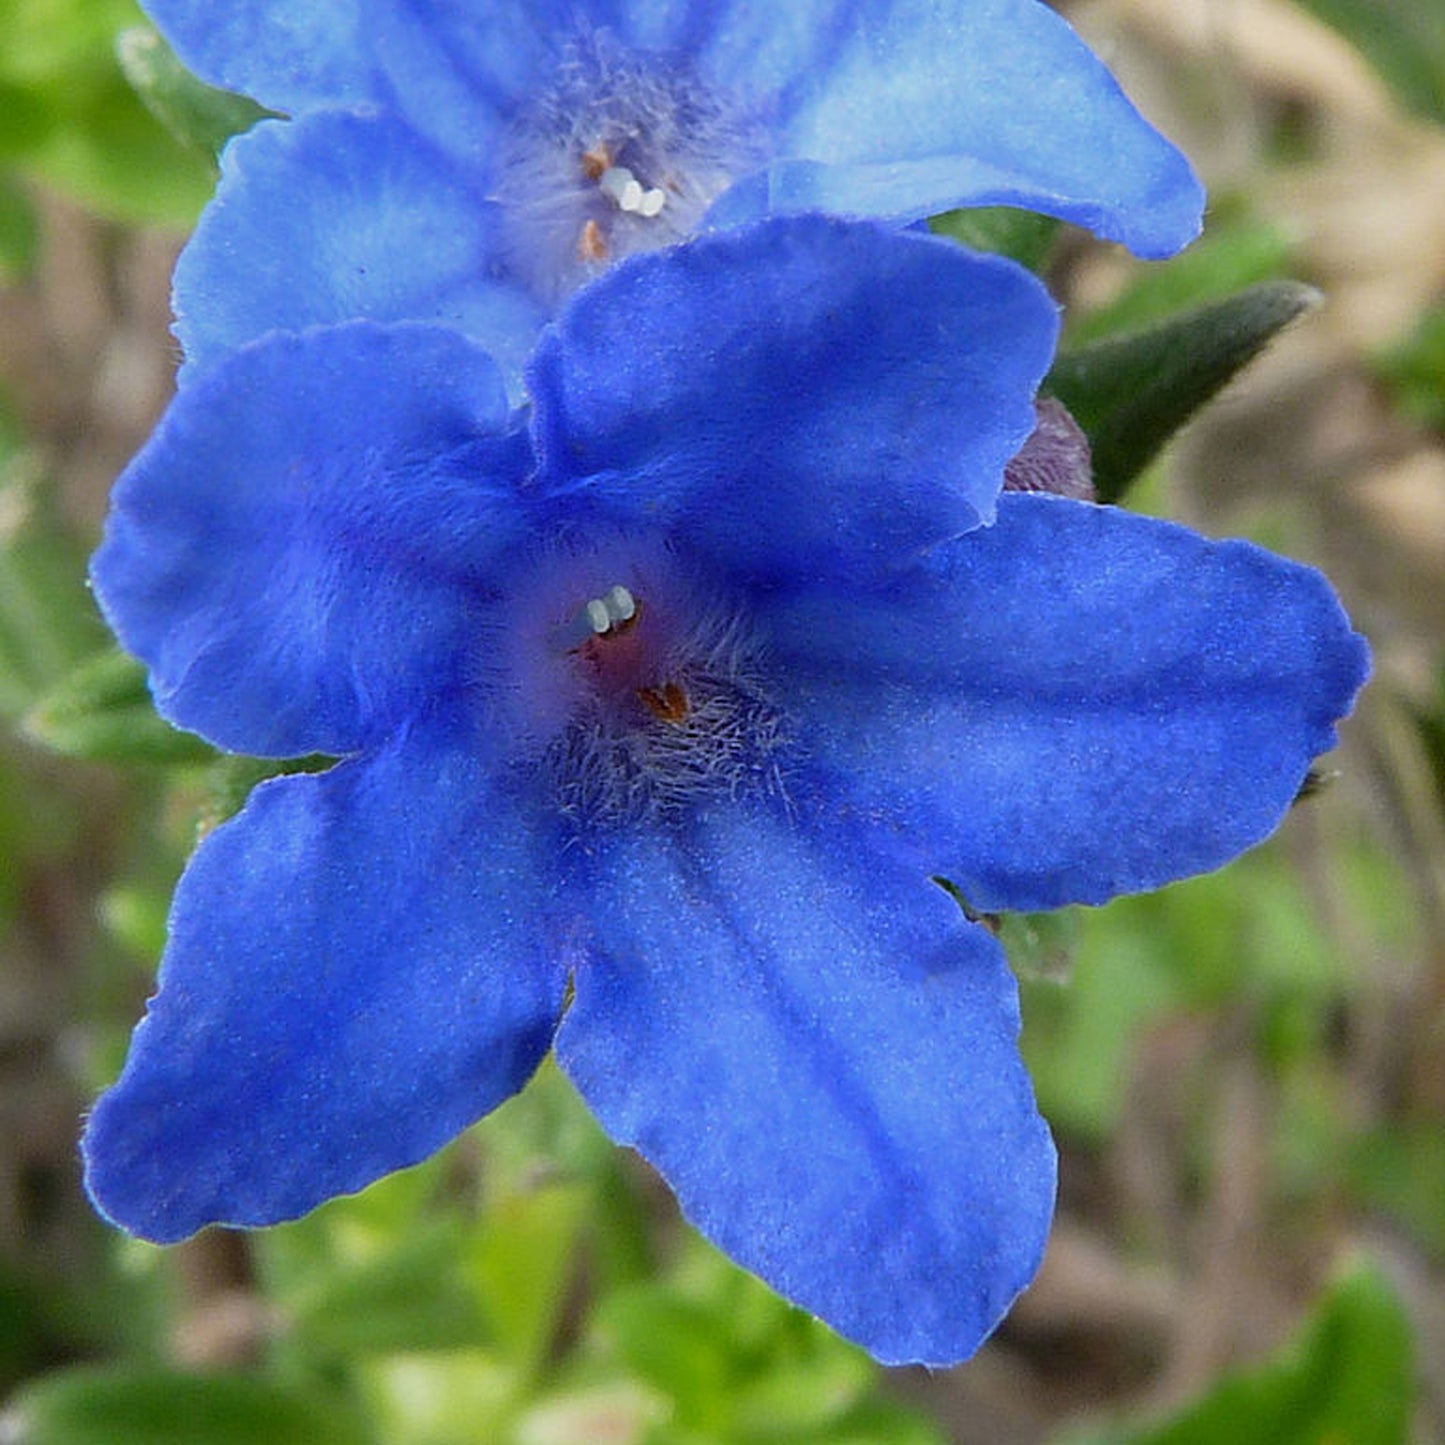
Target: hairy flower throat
642	691
624	152
593	633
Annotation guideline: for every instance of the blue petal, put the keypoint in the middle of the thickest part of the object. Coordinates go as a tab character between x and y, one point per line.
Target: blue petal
1074	703
296	551
339	216
360	965
454	66
915	106
458	69
819	1055
784	373
289	56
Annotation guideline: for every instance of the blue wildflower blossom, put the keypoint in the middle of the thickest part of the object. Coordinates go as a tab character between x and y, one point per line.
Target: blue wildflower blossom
662	706
472	163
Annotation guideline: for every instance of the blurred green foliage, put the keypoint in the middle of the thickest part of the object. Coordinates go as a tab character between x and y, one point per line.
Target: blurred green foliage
512	1288
48	623
102	709
199	116
1414	371
1248	938
1403	39
530	1284
1020	235
1349	1378
163	1407
69	117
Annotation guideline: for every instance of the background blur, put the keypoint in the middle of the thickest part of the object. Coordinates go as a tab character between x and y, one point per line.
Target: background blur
1246	1072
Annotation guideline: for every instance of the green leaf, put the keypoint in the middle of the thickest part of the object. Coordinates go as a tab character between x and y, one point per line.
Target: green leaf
679	1347
1249	933
879	1422
234	776
1079	1040
522	1262
1238	251
103	711
197	114
1023	236
302	1262
46	38
1132	393
410	1297
1349	1378
112	154
48	622
68	116
805	1396
1403	39
135	917
159	1407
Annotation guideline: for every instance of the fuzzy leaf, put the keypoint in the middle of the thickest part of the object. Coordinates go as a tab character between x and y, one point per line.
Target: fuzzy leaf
1132	393
197	114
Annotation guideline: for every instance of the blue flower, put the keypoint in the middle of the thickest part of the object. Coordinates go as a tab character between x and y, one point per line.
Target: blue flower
662	707
471	164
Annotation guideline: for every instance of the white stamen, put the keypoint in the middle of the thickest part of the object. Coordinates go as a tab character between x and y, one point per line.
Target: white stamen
620	604
595	618
613	180
620	186
625	191
615	137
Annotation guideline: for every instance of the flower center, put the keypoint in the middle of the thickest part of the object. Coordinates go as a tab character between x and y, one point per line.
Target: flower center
640	695
592	635
623	152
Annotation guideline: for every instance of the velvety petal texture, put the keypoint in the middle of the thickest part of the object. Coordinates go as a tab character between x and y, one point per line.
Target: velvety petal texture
705	392
832	1083
990	102
297	551
288	56
360	964
1076	702
377	223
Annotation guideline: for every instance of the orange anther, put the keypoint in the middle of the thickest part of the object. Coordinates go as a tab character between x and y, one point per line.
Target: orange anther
667	703
595	161
592	244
